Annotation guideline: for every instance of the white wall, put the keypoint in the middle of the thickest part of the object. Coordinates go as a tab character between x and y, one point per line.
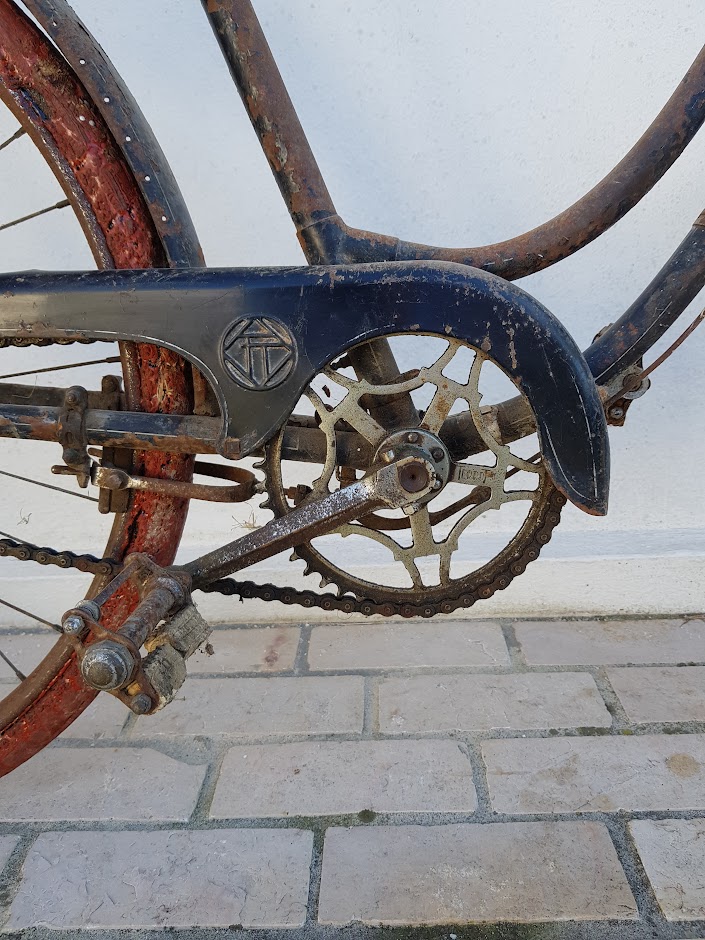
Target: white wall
452	123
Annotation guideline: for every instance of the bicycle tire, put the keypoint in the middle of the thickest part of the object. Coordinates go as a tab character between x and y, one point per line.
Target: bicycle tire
52	105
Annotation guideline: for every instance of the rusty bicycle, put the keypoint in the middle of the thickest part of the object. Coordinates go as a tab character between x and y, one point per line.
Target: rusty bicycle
391	395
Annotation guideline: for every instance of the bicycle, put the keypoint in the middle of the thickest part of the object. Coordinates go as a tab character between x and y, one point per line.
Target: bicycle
407	460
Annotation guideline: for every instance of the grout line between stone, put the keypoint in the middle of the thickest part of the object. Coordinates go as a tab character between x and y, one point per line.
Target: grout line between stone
479	776
403	672
620	721
204	800
315	874
301	664
11	874
647	904
370	720
516	654
27	831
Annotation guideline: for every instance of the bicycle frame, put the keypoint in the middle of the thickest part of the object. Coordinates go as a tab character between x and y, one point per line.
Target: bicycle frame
613	361
326	239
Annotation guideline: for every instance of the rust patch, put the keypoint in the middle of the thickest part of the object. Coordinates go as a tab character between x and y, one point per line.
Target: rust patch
271	655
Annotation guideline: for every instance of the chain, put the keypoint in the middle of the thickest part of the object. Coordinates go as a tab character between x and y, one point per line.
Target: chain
25	551
348	604
23	341
504	572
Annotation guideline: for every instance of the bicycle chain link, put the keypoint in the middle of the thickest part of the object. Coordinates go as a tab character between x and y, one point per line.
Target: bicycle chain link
25	551
23	341
247	590
351	604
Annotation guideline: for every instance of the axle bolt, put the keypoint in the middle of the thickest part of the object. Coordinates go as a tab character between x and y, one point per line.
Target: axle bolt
72	626
437	454
413	477
412	437
141	704
107	666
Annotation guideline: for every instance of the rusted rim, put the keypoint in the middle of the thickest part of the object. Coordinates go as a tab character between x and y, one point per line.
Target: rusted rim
52	105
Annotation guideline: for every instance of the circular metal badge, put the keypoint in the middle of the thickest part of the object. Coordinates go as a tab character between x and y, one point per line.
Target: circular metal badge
259	353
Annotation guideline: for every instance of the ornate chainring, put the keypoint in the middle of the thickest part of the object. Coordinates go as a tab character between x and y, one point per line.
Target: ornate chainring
442	555
482	488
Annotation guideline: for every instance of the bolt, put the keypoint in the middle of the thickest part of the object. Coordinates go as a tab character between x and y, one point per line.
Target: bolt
412	437
107	666
413	477
73	625
110	383
90	607
388	456
114	480
141	704
616	412
71	397
437	454
437	484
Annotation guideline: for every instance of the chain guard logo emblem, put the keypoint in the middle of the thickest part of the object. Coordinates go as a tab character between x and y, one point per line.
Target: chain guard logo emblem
259	353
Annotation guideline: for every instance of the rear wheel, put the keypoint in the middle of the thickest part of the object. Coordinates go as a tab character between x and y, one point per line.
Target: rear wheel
53	109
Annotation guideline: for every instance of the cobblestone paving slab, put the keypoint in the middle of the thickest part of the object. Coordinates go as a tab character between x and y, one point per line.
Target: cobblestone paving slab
260	708
596	774
104	718
673	854
405	645
213	878
524	872
485	703
101	783
661	693
330	778
439	754
271	649
595	642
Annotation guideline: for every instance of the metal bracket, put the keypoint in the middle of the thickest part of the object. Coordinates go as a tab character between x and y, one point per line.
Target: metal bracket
621	391
72	435
117	483
112	662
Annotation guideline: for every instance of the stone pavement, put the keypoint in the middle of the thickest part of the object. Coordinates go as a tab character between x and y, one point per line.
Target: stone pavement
447	779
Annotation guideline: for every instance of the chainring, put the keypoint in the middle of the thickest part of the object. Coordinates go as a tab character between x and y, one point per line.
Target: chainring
366	599
422	599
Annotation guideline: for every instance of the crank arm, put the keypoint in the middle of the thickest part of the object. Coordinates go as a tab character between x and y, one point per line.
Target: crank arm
383	487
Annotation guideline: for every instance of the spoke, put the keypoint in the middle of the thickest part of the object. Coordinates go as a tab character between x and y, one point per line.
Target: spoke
11	140
422	534
20	675
14	538
48	486
69	365
33	215
441	403
27	613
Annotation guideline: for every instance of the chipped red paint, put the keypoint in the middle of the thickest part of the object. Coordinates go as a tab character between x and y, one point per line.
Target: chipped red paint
49	101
